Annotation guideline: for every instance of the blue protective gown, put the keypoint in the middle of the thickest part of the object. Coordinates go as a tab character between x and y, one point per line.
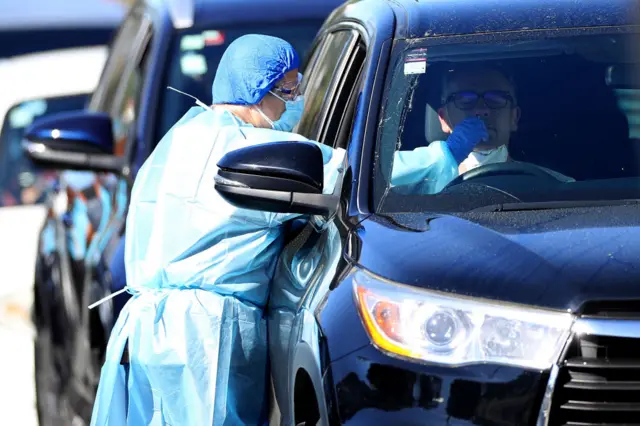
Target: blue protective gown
199	270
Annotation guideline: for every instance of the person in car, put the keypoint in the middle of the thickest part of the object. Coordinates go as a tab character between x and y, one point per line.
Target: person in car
479	103
479	112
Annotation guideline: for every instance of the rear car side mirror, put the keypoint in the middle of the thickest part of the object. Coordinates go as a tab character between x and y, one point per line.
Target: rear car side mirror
280	177
79	140
21	183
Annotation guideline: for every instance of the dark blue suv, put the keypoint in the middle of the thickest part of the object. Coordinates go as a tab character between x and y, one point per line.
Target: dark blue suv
174	43
509	295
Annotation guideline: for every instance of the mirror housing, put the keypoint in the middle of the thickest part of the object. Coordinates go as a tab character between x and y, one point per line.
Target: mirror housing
279	177
79	140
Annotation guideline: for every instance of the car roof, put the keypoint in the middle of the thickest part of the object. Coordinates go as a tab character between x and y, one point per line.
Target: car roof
197	13
423	18
35	14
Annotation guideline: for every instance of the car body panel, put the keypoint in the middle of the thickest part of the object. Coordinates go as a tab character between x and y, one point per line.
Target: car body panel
559	258
435	18
372	388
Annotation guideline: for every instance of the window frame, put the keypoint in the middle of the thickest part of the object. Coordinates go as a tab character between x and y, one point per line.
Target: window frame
119	54
140	65
134	55
343	101
319	120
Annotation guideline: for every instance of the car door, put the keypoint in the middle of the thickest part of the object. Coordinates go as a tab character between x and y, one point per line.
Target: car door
309	260
121	98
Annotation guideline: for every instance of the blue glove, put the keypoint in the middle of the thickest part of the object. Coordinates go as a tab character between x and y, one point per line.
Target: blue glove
465	137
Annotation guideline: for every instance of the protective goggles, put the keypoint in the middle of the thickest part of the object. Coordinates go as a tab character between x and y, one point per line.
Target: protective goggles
288	93
493	99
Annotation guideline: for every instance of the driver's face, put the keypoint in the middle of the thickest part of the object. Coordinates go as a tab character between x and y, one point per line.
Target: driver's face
499	113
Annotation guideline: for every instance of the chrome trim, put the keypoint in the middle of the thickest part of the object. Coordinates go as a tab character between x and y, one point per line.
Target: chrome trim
39	151
545	408
589	326
607	327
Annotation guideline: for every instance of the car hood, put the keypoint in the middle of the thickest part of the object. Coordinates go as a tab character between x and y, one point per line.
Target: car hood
552	258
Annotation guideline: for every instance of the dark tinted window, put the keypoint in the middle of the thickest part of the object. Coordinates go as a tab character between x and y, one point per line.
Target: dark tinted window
194	58
20	182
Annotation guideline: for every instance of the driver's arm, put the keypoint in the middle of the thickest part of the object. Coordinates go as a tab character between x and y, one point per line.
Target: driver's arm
425	170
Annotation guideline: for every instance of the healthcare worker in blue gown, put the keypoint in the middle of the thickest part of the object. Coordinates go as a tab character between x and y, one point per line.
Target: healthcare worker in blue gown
198	268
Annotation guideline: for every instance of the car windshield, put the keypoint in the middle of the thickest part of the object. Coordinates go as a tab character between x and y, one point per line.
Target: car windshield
195	55
20	181
490	120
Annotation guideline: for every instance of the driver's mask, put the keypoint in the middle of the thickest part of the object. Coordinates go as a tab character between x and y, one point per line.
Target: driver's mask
481	158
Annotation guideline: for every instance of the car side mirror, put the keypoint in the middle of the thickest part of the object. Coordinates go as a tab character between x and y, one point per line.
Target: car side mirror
280	177
79	140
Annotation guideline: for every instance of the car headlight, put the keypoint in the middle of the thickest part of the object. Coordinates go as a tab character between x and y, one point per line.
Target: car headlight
445	329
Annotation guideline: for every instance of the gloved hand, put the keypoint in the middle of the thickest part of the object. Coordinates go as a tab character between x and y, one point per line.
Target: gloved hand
465	137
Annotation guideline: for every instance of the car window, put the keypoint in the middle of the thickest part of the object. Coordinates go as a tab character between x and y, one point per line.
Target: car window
342	105
321	82
126	104
121	49
194	56
20	181
560	115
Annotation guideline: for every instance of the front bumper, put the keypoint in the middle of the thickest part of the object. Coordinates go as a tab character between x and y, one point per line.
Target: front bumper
368	387
597	381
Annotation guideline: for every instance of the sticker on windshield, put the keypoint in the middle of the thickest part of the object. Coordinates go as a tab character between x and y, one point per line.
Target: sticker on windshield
415	67
213	38
415	62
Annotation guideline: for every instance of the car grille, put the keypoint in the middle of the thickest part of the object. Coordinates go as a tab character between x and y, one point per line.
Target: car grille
598	383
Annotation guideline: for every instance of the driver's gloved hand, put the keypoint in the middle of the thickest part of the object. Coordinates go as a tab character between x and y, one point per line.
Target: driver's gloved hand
465	137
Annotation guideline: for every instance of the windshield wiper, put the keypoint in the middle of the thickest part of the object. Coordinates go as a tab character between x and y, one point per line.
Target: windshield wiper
550	205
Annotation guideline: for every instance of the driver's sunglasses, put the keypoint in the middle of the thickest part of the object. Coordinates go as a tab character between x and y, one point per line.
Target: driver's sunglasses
493	99
289	93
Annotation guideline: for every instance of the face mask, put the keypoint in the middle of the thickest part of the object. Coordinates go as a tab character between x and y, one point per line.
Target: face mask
481	158
290	117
